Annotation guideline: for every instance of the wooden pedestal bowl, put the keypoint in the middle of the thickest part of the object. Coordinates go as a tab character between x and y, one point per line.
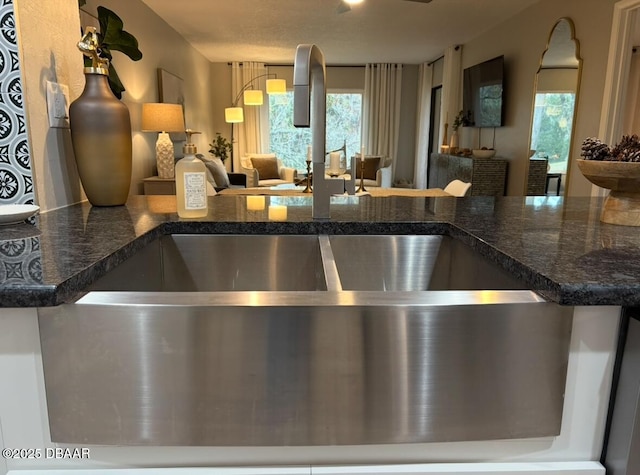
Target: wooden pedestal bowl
622	206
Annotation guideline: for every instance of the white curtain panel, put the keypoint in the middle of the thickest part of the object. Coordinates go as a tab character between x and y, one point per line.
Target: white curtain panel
425	78
248	133
451	89
631	123
381	114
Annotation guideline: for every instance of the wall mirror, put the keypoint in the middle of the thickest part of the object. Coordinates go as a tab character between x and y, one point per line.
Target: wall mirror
555	98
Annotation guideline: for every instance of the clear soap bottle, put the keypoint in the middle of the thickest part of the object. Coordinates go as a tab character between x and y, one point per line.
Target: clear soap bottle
191	182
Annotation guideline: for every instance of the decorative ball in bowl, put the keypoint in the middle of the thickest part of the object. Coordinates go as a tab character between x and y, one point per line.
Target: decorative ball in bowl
615	169
483	152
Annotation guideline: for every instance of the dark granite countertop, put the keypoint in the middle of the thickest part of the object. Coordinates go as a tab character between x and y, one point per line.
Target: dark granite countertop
557	246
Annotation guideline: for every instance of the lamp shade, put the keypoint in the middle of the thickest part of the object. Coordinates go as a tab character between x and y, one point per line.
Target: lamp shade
253	97
161	117
233	115
276	86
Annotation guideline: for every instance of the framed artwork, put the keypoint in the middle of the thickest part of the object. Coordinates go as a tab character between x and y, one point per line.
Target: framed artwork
171	91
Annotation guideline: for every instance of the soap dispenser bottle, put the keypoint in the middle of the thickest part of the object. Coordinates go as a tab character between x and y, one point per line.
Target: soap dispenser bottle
191	182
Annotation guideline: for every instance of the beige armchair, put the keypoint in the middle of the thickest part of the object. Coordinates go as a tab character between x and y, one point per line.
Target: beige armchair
377	171
266	169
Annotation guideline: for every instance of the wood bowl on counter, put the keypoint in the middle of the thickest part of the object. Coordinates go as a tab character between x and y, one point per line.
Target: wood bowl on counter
622	206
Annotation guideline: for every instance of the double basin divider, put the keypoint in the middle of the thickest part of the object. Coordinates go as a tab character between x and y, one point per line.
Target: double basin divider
148	358
331	275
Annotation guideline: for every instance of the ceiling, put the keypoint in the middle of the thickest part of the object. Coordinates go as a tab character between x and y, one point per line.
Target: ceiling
376	31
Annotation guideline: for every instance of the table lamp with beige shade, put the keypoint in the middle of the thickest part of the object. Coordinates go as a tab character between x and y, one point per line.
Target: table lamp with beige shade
163	118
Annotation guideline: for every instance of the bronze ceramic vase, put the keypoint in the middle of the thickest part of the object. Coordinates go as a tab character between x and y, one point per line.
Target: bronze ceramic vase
101	137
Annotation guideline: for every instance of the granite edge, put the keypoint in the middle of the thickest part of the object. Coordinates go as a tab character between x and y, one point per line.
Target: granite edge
73	287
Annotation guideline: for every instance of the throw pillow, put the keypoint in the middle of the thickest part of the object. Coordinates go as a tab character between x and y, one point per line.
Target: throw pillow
371	165
208	171
246	160
217	170
267	167
219	173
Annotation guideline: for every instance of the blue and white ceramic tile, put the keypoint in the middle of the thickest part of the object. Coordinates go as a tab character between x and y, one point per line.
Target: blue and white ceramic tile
21	261
13	186
16	183
9	68
6	14
9	60
13	128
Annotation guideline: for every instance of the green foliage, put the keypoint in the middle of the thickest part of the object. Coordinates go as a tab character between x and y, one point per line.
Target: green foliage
551	130
220	147
112	36
460	120
344	114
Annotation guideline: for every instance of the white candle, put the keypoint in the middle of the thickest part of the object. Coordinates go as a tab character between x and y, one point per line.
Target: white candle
308	153
278	213
255	203
362	152
334	161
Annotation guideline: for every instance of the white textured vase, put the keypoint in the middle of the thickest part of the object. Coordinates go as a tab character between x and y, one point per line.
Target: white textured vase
164	156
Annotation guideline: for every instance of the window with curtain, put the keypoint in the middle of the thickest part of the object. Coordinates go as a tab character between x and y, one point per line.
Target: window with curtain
344	119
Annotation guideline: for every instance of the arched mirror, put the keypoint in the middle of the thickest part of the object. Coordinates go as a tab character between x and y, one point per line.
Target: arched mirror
555	97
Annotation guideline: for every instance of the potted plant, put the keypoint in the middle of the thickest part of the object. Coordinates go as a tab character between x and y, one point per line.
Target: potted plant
461	120
113	37
220	147
100	122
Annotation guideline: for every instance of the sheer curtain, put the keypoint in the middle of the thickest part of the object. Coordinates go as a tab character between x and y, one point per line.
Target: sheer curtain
381	115
631	123
423	126
248	133
451	88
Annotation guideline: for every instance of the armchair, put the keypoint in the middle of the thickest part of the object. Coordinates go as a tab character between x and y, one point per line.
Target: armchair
377	171
265	169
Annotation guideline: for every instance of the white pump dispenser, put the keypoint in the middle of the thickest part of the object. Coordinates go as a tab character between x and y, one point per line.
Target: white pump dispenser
191	182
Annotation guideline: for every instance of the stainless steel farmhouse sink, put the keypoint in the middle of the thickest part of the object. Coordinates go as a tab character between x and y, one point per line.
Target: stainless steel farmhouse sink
272	340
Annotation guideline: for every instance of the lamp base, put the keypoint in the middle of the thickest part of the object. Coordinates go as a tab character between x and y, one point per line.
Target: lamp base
165	159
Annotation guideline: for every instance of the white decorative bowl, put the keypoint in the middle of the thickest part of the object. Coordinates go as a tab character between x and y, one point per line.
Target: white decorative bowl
16	213
483	153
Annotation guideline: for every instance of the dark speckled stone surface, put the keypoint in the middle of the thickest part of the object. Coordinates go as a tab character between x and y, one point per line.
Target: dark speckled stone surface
559	248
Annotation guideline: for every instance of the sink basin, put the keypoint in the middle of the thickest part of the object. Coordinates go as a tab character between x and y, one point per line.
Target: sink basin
196	263
414	263
281	340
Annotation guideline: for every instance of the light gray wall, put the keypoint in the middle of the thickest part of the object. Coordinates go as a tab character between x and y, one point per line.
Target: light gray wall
220	74
49	53
522	41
